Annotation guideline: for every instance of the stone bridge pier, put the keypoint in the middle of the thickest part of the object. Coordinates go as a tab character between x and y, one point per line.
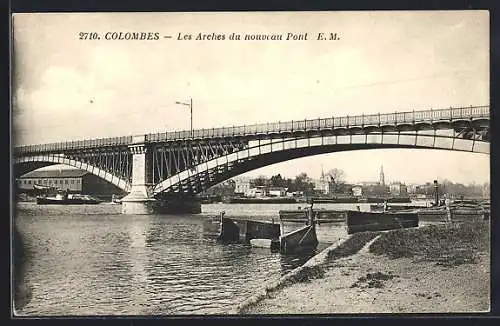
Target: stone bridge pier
141	200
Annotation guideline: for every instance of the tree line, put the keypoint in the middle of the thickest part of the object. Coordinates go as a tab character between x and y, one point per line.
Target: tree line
301	182
455	189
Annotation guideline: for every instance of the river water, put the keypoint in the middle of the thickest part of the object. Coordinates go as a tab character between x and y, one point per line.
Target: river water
91	260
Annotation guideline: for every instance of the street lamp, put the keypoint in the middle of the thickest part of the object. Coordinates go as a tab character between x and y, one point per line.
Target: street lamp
190	104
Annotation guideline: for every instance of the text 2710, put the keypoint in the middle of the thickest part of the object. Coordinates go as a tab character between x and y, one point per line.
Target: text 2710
88	36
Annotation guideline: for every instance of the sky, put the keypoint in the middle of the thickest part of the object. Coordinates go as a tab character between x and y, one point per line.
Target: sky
65	88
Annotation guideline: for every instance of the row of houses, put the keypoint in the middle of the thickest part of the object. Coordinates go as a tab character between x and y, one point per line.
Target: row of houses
79	181
242	186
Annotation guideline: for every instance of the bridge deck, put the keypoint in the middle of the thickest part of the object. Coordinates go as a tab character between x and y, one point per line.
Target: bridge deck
408	117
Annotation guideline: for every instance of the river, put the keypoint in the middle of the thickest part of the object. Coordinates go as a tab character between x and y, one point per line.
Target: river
91	260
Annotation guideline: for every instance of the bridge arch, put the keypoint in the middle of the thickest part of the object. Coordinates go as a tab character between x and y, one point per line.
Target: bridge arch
28	163
274	151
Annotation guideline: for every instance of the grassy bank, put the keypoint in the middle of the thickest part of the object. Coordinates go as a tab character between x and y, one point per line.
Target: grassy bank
445	244
425	269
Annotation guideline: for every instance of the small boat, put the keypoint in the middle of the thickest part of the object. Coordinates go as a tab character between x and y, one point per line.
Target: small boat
300	239
61	199
357	221
37	186
266	234
115	199
303	238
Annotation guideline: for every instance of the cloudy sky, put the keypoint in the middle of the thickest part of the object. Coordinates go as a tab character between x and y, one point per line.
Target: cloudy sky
69	89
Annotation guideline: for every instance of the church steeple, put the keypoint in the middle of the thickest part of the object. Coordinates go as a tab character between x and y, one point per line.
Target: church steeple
382	177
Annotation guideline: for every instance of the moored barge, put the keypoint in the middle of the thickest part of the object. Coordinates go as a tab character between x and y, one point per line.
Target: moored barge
357	221
67	200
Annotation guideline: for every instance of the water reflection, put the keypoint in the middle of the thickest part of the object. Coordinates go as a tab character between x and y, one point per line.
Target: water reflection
105	263
138	230
288	261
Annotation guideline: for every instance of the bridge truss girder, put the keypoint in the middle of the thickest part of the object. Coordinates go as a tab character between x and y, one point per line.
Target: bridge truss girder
172	158
115	160
183	166
197	178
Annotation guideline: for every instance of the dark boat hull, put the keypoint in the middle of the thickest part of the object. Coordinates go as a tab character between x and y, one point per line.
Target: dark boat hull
301	239
457	214
389	200
392	208
340	200
177	207
370	221
322	215
242	230
69	201
399	200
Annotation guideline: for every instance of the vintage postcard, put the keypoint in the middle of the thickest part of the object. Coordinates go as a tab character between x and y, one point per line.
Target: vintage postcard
238	163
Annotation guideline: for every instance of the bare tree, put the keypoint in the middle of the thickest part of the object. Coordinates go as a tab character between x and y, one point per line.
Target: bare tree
260	181
336	176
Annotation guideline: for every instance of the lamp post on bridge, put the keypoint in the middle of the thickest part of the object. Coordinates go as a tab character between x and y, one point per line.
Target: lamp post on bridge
190	105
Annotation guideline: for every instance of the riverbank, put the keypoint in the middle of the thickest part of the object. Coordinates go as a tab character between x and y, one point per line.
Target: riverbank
431	269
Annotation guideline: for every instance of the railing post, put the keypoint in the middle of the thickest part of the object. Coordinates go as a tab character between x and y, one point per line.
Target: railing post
362	120
292	125
451	113
379	119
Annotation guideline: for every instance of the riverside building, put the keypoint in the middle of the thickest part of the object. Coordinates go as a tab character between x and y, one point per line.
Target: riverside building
71	180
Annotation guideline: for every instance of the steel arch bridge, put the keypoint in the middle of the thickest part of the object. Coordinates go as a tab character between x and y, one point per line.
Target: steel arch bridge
188	162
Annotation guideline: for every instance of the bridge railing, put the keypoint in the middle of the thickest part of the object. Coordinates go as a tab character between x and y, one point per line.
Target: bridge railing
74	145
274	127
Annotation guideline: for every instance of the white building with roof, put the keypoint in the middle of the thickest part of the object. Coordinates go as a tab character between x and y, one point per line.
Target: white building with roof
71	180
